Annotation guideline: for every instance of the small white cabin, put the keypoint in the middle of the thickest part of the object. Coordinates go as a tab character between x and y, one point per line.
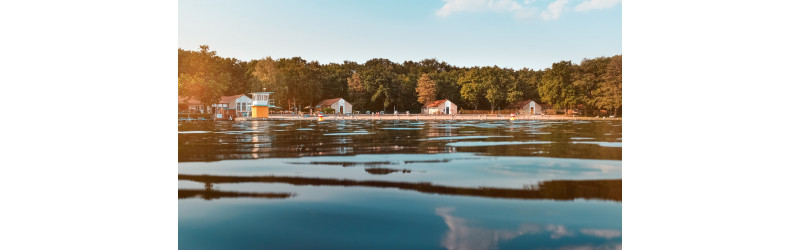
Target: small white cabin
339	105
439	107
527	107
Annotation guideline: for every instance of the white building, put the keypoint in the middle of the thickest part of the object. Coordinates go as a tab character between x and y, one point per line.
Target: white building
439	107
339	105
527	107
240	104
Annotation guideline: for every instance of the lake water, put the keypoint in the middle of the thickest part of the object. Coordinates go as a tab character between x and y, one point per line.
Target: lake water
400	185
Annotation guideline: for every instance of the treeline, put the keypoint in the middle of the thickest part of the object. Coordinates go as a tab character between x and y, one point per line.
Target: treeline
380	84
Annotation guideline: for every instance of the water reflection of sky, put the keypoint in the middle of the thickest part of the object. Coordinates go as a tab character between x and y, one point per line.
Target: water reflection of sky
460	169
400	184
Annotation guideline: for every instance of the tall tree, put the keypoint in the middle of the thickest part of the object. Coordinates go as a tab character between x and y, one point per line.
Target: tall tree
426	89
609	95
472	86
356	91
557	87
496	82
205	89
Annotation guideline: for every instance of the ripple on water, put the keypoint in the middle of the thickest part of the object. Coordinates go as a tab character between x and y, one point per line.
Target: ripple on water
466	137
492	143
351	133
602	143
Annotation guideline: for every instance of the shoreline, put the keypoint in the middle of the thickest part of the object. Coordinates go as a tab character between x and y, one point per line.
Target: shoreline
404	117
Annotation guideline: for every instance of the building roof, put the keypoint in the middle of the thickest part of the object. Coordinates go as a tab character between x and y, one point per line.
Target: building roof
519	104
434	103
228	99
186	100
329	102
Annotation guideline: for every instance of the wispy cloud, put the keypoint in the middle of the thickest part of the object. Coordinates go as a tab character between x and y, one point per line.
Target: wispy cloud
522	9
519	10
554	10
596	4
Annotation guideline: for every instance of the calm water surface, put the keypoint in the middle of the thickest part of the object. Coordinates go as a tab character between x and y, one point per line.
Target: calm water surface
400	185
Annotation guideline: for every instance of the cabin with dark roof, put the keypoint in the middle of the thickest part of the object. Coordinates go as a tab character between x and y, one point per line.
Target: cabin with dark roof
525	107
339	105
439	107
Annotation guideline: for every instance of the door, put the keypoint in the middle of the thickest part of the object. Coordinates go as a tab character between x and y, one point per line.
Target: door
532	110
340	110
447	110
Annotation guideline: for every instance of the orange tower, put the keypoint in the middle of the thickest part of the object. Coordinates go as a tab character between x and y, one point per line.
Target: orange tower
261	104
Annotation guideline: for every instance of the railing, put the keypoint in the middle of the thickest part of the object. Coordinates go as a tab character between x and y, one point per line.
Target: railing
269	102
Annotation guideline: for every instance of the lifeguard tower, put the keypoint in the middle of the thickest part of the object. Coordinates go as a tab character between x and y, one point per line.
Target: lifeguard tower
261	104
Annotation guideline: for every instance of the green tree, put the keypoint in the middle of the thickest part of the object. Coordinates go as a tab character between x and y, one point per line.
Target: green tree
207	90
557	87
382	83
609	95
356	91
496	82
472	86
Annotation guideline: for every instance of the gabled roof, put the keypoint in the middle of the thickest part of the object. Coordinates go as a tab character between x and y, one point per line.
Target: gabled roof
329	102
227	99
519	104
434	103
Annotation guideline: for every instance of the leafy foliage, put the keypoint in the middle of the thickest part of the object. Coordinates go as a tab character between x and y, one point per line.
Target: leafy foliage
426	89
380	84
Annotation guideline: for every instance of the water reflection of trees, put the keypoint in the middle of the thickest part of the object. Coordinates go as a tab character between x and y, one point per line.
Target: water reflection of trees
211	194
552	190
283	139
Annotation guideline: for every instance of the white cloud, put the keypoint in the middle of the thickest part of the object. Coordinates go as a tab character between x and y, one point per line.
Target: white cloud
554	10
508	6
596	4
520	9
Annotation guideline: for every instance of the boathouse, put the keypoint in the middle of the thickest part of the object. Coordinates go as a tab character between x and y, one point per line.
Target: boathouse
261	104
526	107
439	107
339	105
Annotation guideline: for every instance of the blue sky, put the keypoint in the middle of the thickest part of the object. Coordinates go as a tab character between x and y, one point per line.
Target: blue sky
507	33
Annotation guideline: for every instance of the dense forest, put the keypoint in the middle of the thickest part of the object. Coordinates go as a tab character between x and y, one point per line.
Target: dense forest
380	84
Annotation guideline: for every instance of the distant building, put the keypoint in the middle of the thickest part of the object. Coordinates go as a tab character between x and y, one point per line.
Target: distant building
261	104
439	107
186	105
233	106
527	107
548	109
339	105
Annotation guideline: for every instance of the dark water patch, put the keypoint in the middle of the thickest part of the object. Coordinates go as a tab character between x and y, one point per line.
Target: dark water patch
552	190
211	194
385	171
428	161
346	163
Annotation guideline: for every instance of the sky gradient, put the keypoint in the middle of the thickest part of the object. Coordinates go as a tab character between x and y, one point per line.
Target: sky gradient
506	33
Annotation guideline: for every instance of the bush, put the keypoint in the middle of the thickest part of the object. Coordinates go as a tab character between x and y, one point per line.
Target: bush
328	110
